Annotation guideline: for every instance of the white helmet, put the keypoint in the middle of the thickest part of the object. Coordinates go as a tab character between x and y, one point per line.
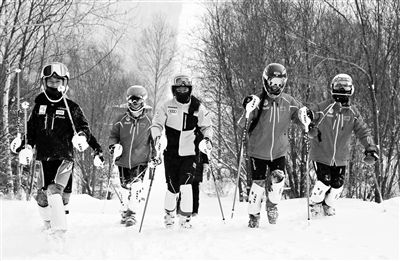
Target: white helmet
342	88
136	96
57	70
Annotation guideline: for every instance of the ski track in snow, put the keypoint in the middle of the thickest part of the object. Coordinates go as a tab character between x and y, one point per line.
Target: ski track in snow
360	230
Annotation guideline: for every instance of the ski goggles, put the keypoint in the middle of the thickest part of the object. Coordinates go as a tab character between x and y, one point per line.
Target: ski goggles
182	81
56	68
135	100
343	86
276	82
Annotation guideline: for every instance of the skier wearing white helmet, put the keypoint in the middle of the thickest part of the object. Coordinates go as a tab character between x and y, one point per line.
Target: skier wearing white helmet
131	133
180	117
57	125
334	122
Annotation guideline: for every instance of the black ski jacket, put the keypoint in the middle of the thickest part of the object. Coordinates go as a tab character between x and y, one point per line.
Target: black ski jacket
50	129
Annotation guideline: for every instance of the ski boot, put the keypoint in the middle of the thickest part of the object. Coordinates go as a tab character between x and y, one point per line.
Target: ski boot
169	219
328	210
316	210
130	218
123	216
254	220
272	213
184	221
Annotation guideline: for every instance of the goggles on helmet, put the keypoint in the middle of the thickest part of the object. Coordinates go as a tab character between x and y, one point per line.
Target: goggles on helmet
343	86
135	100
56	68
182	81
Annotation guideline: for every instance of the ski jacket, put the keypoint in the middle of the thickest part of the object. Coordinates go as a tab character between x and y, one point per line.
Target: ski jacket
134	136
268	140
50	129
180	122
336	125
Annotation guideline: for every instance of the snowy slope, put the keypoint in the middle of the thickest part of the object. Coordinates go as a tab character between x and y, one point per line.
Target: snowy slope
360	230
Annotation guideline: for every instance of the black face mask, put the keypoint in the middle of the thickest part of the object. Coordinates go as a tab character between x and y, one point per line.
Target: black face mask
53	93
343	99
182	97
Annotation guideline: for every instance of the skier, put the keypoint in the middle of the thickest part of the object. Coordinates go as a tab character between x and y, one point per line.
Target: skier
131	130
179	117
268	142
54	133
334	121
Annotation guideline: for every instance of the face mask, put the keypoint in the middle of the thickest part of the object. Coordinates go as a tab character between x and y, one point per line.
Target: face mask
53	93
343	99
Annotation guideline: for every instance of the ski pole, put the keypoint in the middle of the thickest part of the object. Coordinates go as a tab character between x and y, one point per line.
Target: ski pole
216	189
151	173
113	156
250	106
306	122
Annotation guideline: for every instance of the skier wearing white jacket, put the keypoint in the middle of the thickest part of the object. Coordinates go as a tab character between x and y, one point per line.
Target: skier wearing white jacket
268	142
179	117
334	122
131	131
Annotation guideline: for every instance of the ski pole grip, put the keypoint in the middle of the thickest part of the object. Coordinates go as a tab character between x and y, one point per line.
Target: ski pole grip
251	105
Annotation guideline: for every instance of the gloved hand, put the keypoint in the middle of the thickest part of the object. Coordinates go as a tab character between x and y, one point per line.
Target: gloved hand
26	155
205	146
246	100
80	142
304	116
371	154
16	143
154	162
98	160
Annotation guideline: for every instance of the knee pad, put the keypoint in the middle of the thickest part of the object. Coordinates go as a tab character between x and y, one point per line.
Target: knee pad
41	198
135	195
55	189
186	205
58	218
44	213
65	198
332	196
256	195
318	192
170	201
275	192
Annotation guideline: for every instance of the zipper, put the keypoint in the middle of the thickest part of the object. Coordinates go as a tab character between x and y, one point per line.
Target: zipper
333	161
45	122
133	136
273	129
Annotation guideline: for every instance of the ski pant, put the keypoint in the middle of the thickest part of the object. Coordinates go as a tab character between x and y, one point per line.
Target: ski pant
55	178
259	167
332	176
179	170
128	176
196	198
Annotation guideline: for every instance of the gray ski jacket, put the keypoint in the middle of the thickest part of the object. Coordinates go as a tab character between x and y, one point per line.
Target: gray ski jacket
336	125
134	136
269	139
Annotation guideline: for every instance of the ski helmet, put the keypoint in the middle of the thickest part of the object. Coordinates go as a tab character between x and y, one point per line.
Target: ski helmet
182	88
342	88
136	96
59	71
274	79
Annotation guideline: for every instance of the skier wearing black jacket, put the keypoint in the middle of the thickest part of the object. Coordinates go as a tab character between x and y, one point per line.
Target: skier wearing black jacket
55	134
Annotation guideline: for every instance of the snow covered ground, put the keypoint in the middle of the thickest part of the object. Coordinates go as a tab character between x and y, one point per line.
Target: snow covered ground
360	230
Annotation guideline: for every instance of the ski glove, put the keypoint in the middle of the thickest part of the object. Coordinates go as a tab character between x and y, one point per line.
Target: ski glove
246	100
26	155
371	154
115	150
80	142
98	160
15	145
205	146
154	162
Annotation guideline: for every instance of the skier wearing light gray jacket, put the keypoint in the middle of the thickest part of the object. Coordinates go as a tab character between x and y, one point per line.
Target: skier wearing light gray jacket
334	122
268	142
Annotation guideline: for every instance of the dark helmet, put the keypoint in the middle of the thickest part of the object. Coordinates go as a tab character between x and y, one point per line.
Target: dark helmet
182	81
274	79
342	88
57	70
136	96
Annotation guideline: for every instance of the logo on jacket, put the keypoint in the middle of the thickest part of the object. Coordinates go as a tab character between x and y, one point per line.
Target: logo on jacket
172	110
42	109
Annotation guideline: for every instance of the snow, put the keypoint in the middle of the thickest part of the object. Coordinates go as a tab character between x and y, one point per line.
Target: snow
360	230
